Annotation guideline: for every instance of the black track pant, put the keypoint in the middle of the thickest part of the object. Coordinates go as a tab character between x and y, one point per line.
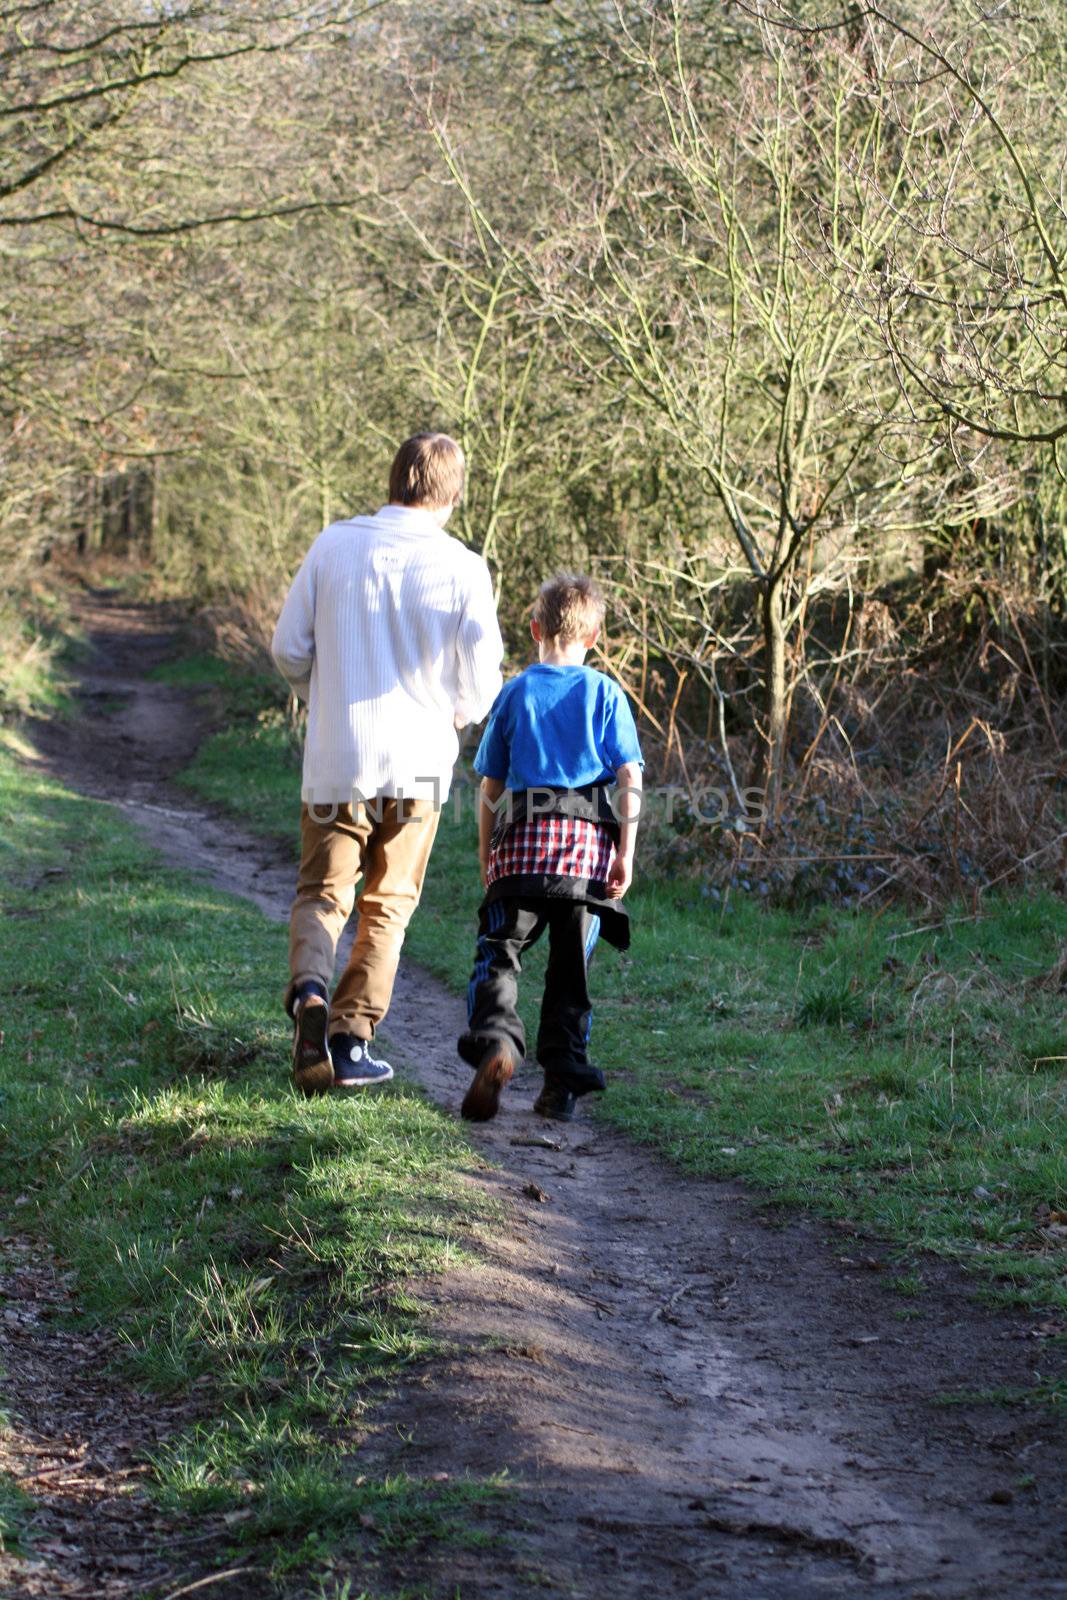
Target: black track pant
507	928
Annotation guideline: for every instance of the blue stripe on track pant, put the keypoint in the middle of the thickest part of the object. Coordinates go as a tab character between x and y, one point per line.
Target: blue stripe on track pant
506	930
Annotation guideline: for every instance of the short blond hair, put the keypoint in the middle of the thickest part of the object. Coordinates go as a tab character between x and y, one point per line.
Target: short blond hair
427	470
569	608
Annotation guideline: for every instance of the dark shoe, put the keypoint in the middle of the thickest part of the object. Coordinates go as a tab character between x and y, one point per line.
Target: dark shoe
312	1067
555	1101
581	1077
353	1065
482	1100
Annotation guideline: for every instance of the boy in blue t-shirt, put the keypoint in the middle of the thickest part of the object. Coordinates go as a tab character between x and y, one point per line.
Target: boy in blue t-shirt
559	856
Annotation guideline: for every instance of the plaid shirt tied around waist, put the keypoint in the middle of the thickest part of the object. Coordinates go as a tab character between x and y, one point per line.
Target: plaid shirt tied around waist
555	846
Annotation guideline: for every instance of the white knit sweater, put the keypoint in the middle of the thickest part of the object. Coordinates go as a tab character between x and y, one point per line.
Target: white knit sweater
389	632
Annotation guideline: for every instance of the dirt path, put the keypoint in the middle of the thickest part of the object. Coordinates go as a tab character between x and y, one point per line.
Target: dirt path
687	1397
78	1449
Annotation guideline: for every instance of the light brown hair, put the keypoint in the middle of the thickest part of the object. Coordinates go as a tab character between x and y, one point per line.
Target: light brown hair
570	607
427	470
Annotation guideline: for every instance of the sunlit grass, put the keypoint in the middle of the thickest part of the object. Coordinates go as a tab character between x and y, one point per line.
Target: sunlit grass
246	1247
907	1077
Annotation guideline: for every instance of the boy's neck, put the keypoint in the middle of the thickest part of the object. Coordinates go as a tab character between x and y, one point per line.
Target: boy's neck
553	653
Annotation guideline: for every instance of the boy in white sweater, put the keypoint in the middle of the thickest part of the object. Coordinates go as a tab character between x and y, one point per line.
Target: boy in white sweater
390	633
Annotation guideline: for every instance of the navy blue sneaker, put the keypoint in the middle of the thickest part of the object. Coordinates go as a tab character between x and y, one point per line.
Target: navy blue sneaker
353	1065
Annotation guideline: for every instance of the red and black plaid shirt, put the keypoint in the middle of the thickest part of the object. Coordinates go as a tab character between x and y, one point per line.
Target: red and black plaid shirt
559	847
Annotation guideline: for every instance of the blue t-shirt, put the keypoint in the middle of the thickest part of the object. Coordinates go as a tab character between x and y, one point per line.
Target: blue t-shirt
561	727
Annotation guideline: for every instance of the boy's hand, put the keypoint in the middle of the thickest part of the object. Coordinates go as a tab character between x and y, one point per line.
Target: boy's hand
489	793
620	876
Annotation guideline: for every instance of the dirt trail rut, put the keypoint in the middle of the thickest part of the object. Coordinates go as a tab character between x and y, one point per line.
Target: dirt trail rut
688	1397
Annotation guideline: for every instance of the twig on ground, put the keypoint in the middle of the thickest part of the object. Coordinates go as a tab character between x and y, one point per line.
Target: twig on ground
212	1577
928	927
670	1303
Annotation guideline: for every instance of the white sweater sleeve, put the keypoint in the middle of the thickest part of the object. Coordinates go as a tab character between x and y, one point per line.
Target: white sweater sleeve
293	645
480	650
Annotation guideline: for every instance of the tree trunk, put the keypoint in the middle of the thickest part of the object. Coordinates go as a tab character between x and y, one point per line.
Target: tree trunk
774	700
94	524
152	531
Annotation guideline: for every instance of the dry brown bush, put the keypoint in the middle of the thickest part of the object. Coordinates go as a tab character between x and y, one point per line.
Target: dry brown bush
935	766
239	629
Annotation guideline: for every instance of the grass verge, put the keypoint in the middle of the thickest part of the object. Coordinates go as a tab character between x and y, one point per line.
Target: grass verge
16	1517
36	631
908	1077
245	1247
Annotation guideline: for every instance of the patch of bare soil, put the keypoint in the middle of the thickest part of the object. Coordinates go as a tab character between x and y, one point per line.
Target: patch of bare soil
132	736
75	1442
688	1397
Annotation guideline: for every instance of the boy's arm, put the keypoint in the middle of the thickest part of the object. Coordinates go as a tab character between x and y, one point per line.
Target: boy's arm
628	810
491	790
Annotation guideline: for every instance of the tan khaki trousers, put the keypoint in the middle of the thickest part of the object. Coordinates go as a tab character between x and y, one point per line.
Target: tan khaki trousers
391	856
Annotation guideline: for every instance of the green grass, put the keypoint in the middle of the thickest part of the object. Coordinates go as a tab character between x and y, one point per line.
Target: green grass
244	694
258	744
857	1065
843	1063
1047	1391
37	638
246	1247
16	1517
